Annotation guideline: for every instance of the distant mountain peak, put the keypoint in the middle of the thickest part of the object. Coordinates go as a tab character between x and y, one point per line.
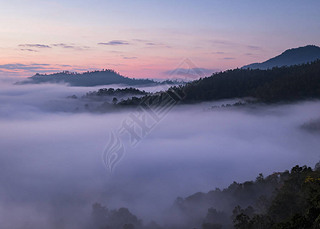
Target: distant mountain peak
294	56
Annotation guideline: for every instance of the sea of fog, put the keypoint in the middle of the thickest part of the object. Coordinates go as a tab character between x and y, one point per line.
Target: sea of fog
52	168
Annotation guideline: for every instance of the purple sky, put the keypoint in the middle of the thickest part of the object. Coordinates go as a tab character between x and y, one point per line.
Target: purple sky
149	38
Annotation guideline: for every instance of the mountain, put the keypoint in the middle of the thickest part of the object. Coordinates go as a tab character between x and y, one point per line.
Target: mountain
289	57
93	78
286	84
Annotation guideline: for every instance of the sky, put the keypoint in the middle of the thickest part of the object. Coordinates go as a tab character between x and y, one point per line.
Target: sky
148	38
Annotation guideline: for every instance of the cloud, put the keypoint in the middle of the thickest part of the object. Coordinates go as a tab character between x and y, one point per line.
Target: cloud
218	52
29	50
151	44
223	42
229	58
253	47
70	46
140	40
189	150
35	46
235	45
22	66
130	57
62	45
31	47
35	64
146	42
114	43
31	68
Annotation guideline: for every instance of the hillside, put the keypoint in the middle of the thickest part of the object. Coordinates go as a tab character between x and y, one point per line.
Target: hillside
93	78
289	57
276	85
282	200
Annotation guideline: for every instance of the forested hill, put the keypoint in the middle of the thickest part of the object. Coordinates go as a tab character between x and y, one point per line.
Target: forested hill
282	200
290	57
275	85
93	78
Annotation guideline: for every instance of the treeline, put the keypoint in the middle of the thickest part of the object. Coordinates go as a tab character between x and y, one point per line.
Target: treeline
90	78
293	83
76	73
284	200
116	92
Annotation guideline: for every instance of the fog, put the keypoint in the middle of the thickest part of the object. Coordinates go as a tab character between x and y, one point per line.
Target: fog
51	161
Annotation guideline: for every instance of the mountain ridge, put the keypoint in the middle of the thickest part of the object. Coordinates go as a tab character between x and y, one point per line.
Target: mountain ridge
289	57
298	82
89	78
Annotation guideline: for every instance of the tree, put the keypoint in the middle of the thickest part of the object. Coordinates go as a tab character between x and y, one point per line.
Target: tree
114	100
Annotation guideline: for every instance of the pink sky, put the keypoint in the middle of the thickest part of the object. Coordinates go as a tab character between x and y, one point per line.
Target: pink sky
148	39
